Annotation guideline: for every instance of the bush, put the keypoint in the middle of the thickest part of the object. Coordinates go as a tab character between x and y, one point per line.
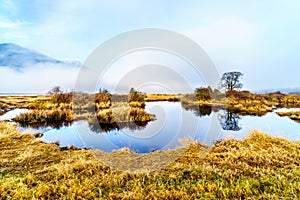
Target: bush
103	96
135	95
62	98
203	94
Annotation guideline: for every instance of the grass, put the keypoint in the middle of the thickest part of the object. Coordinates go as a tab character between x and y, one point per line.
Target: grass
123	112
10	102
291	115
161	97
259	167
241	102
58	109
45	116
246	103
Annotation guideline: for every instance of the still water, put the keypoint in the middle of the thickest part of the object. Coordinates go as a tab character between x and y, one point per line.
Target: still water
174	122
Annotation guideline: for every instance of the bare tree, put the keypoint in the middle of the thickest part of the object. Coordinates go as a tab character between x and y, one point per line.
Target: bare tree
231	81
55	90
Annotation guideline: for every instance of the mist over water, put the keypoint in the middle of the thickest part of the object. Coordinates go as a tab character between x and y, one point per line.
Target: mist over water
37	79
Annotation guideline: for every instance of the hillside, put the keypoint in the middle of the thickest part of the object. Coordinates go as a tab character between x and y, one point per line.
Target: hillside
17	57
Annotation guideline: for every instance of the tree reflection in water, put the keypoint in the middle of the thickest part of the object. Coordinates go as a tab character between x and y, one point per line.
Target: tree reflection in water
229	121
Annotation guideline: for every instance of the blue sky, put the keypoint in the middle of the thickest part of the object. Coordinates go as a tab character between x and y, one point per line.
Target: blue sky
259	38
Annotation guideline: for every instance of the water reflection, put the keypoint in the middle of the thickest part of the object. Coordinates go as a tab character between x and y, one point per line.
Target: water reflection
43	125
229	121
100	128
174	122
197	110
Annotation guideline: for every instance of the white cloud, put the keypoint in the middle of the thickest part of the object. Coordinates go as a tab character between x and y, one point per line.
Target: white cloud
9	24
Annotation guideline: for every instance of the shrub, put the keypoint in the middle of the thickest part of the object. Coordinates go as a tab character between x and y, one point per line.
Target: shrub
103	96
203	94
135	95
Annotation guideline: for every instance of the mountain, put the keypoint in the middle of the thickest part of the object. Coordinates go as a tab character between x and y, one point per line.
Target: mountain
17	57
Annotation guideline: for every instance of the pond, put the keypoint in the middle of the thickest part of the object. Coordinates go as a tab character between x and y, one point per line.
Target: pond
175	122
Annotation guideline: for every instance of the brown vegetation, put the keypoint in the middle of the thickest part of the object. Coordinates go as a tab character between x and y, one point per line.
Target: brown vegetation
66	107
161	97
45	116
292	115
260	167
241	102
244	102
123	112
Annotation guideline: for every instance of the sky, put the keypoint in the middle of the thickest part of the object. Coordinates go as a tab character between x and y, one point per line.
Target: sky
259	38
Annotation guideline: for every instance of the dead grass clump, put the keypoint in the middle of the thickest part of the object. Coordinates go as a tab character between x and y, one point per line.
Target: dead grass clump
292	115
258	154
45	116
123	113
105	116
140	115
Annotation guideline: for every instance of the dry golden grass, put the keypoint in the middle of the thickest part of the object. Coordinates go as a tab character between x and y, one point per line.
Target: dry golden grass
162	97
44	110
45	116
21	101
292	115
260	167
21	152
246	103
248	107
123	113
242	102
